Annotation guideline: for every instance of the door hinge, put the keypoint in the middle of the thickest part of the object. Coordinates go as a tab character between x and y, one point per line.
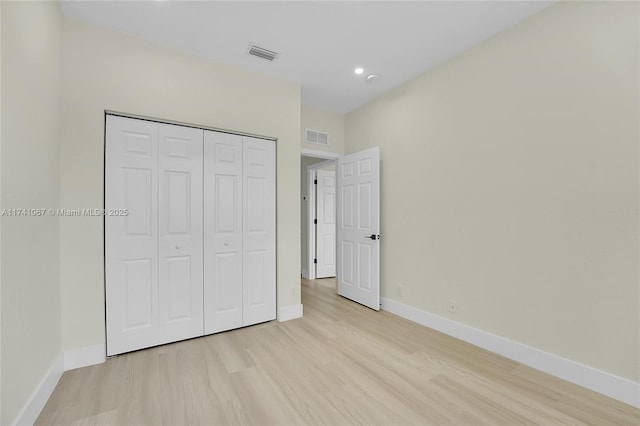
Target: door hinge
315	260
315	221
315	181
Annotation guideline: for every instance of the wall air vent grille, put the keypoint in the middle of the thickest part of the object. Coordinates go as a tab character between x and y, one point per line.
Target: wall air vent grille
316	137
261	52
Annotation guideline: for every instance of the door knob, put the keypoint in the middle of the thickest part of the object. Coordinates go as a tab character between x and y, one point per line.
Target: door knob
178	246
373	237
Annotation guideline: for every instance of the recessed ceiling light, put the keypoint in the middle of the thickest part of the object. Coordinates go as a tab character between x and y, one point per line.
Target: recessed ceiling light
359	70
372	77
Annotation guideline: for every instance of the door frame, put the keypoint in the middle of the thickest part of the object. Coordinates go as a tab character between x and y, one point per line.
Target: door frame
311	210
321	226
331	158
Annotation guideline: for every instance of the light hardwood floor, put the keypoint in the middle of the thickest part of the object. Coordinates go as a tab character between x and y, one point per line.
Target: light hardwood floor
341	364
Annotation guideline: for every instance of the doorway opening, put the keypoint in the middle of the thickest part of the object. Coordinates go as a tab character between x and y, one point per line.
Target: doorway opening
350	241
318	216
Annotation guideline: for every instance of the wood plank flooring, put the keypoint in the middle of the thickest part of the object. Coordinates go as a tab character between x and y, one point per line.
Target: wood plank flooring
342	364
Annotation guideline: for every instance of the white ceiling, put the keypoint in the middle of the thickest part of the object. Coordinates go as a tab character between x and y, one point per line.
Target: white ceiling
320	42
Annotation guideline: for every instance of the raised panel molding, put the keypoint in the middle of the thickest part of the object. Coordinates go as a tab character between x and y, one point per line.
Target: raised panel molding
255	269
178	148
177	202
225	153
256	157
255	204
364	195
179	272
226	213
364	167
138	144
138	221
139	294
227	265
347	265
347	196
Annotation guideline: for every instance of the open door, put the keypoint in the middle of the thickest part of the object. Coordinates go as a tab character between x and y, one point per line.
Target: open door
326	224
358	231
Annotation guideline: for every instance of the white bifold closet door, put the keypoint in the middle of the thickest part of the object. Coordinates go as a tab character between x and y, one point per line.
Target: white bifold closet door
240	241
154	254
196	252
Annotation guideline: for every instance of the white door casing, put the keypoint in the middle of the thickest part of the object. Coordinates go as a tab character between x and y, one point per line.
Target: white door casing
259	230
223	231
326	224
358	217
152	261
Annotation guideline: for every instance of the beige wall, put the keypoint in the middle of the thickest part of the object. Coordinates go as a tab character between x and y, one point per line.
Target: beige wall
29	264
510	185
106	70
324	121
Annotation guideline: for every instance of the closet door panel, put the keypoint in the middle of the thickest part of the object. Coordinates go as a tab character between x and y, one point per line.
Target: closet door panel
196	252
223	232
180	231
259	226
131	249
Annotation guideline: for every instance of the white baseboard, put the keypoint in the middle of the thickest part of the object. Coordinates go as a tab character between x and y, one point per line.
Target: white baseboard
68	360
41	394
599	381
305	274
290	312
82	357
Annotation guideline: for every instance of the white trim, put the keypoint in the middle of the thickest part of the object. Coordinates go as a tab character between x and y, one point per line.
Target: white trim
305	274
83	357
68	360
34	405
311	213
331	157
306	152
322	164
290	312
599	381
311	227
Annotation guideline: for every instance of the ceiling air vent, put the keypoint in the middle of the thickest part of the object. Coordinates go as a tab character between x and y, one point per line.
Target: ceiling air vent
261	52
319	138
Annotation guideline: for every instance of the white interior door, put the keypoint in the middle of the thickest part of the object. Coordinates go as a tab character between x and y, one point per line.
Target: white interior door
223	232
326	224
131	243
259	231
180	224
358	217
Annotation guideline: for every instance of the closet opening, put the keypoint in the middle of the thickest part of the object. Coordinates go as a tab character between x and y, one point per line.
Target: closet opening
196	253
